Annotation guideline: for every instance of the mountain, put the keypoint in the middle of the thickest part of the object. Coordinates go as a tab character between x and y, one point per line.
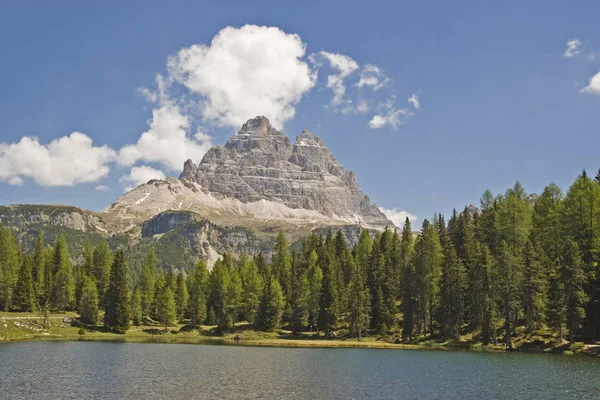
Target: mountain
236	199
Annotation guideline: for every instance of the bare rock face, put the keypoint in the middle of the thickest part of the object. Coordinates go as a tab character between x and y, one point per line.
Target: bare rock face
260	163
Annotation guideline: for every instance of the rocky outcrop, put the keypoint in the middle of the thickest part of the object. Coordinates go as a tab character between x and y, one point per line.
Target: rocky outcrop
260	163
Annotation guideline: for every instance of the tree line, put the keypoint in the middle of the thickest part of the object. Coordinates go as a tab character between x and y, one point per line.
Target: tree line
517	260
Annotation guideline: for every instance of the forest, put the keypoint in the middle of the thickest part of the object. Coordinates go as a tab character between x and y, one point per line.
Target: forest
516	261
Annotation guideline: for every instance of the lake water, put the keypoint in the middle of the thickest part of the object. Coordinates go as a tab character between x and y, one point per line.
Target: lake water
102	370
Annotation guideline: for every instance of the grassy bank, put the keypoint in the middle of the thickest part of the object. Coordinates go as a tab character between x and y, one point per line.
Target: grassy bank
16	327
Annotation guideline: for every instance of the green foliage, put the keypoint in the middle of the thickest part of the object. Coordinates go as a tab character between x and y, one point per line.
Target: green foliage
88	305
24	299
166	308
136	307
181	296
271	306
116	298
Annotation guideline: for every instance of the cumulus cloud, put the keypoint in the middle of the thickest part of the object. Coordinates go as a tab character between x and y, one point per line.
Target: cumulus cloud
245	72
139	175
102	188
371	76
573	48
594	86
168	141
65	161
398	216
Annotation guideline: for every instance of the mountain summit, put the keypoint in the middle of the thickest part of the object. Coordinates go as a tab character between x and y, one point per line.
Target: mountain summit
260	163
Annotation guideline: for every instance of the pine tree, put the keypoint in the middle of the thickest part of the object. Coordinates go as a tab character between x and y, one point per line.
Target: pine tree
136	307
298	294
103	261
328	301
313	281
452	288
24	299
219	289
88	304
574	281
166	308
38	272
534	289
428	259
252	287
271	306
9	267
116	298
359	299
63	285
407	286
509	281
147	281
181	296
281	263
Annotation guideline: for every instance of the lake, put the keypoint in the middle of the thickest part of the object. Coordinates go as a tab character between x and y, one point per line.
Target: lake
106	370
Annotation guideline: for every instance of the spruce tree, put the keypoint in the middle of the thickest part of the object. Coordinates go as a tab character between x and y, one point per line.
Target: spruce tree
24	299
534	289
574	281
252	287
271	306
328	301
88	304
452	291
407	285
147	280
166	308
9	267
63	285
281	263
313	281
103	260
116	298
298	294
136	307
181	296
509	281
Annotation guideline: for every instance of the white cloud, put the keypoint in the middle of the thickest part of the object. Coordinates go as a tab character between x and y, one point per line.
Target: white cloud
398	216
372	77
393	117
573	48
65	161
168	141
594	86
102	188
139	175
414	100
344	66
245	72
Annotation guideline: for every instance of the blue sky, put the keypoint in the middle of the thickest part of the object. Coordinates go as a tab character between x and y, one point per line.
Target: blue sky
499	100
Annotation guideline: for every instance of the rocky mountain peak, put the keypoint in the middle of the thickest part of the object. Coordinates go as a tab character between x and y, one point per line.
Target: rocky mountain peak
260	163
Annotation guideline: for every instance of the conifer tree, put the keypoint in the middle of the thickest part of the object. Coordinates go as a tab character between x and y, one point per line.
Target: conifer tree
103	260
198	294
116	298
407	280
24	299
220	280
359	299
328	301
63	285
452	287
147	281
313	281
271	306
534	289
509	280
574	281
38	272
166	308
281	263
298	294
9	267
252	286
181	296
136	307
88	304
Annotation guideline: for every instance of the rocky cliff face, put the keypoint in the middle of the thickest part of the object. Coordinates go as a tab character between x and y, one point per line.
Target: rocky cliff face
260	163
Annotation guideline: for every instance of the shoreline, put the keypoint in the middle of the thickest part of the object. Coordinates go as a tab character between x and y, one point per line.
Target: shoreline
290	343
